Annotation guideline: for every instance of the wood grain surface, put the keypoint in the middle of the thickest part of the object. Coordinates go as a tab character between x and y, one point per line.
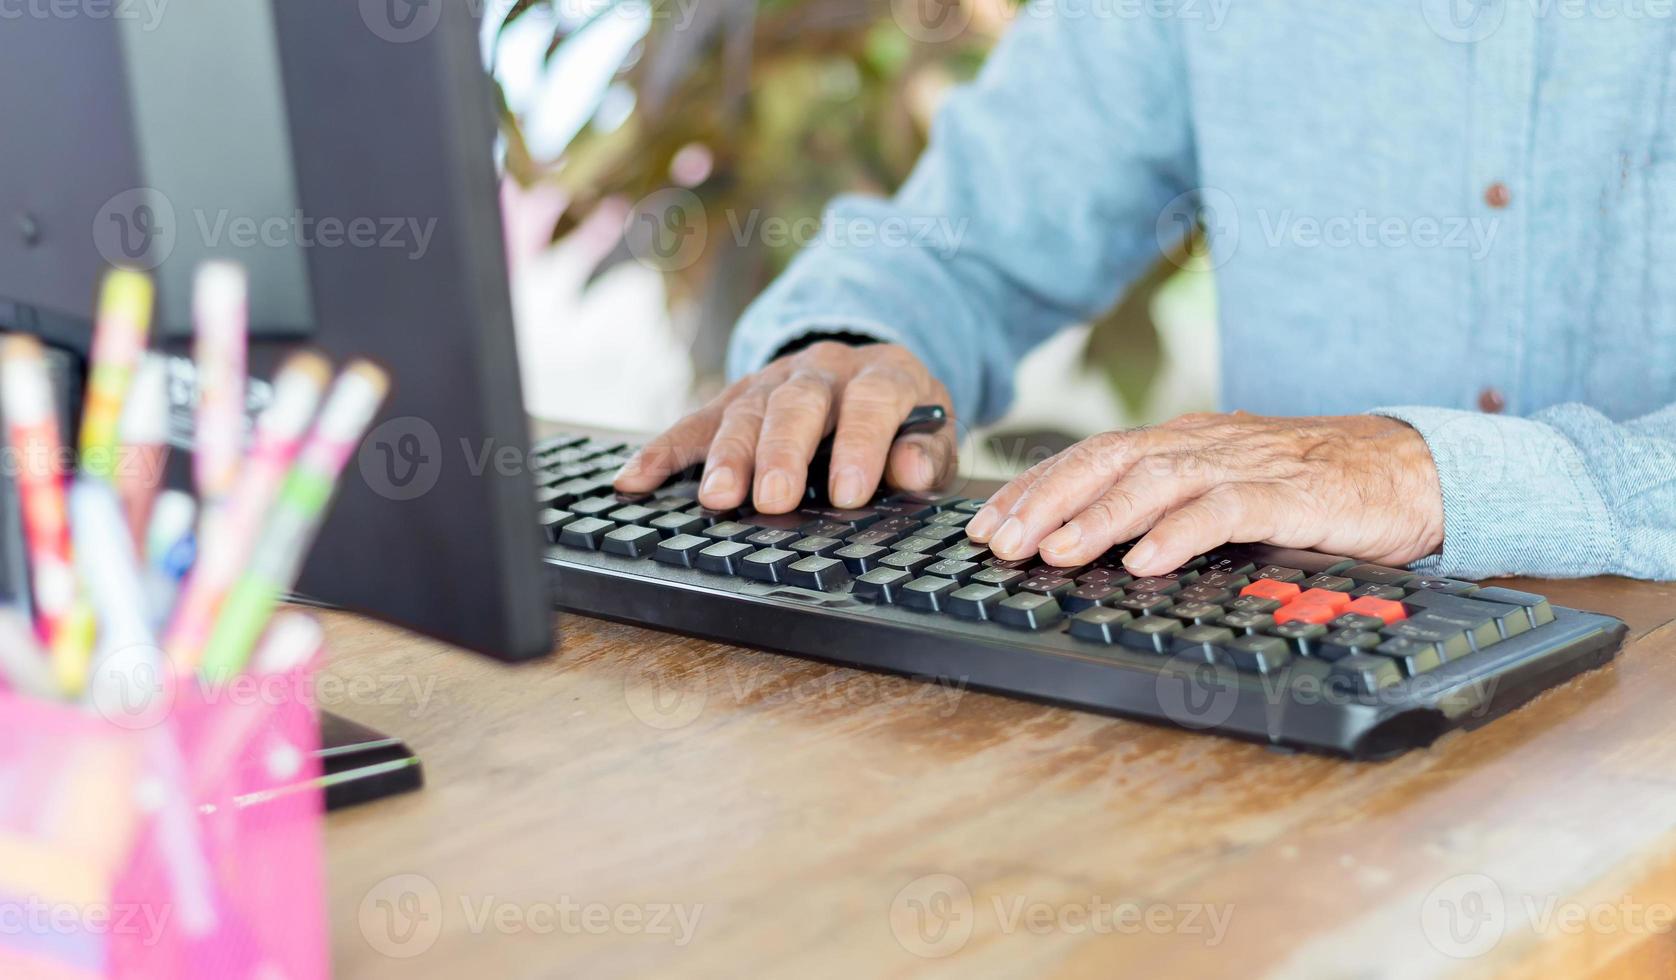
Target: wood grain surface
648	804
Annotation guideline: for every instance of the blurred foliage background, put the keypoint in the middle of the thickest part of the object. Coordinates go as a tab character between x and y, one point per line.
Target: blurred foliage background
773	107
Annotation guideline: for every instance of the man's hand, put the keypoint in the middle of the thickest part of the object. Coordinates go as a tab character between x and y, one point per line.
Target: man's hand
1359	485
771	422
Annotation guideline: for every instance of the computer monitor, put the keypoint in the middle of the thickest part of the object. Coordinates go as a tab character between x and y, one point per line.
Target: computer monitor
343	151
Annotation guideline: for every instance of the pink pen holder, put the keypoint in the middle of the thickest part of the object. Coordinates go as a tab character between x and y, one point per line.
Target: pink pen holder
178	840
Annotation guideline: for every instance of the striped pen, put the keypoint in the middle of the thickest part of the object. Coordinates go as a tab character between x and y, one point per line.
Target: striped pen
295	518
119	342
231	531
220	315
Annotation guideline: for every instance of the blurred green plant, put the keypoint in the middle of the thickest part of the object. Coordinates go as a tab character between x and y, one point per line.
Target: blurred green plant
787	103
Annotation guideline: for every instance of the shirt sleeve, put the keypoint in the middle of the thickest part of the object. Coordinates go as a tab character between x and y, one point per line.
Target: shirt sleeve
1562	493
1038	199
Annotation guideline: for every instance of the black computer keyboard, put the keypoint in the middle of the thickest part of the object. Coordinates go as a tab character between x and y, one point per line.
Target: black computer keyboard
1292	648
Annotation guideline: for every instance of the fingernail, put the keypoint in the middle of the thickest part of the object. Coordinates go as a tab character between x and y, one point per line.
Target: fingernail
1010	537
775	487
849	486
1140	555
718	480
924	470
1064	539
981	525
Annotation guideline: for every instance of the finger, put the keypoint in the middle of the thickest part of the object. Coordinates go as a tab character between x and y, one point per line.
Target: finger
1242	512
873	405
1064	489
682	445
795	422
1000	503
727	468
925	460
1152	487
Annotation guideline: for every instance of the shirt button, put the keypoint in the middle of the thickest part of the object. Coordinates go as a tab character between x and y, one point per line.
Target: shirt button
1490	400
1497	195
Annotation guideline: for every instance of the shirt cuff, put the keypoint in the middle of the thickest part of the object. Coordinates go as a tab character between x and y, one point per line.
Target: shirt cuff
1518	498
754	348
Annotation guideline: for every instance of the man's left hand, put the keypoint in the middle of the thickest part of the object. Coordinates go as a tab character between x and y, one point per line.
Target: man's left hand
1359	485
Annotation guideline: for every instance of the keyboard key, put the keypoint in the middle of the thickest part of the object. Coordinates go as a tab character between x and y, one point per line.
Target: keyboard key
1007	578
921	545
1451	638
1415	657
1199	592
976	601
875	537
1248	622
1087	596
960	571
970	506
1305	612
951	518
1047	585
771	538
793	522
767	565
1156	585
1449	586
1328	583
1278	573
724	557
673	524
882	585
942	533
1364	673
860	558
630	541
1228	562
1255	604
682	550
594	506
1357	623
713	516
1372	591
1028	610
552	520
1509	619
1106	576
965	551
670	502
817	572
1268	588
928	592
1342	643
1537	610
1303	637
1307	562
816	545
632	514
1154	634
1044	570
1222	580
1011	563
907	561
1204	641
1196	613
901	526
1259	654
1379	575
1386	610
1144	603
585	532
729	531
1100	624
853	520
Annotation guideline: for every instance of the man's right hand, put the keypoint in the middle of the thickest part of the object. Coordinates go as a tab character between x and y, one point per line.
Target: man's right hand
767	426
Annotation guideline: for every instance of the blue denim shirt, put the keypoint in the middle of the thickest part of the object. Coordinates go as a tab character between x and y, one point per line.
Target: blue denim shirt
1408	202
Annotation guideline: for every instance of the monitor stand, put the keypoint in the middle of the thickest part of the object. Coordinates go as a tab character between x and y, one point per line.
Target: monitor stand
360	765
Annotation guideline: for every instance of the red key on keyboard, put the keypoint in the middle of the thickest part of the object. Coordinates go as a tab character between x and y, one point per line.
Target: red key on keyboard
1387	609
1336	601
1266	588
1305	612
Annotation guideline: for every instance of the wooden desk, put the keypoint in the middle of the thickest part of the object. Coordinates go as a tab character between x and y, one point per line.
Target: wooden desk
815	818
